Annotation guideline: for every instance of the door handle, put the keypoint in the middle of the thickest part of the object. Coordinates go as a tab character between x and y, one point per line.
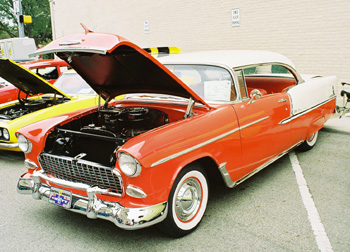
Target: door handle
282	100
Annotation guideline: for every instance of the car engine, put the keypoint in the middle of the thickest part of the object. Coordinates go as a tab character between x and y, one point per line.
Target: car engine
26	106
96	137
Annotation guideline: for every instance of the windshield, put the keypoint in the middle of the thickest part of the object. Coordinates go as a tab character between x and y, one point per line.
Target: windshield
72	83
209	82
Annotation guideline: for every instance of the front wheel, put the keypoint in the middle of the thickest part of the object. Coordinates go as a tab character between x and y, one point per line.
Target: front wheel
309	143
187	202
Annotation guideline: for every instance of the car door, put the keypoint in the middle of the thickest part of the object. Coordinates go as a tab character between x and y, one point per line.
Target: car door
262	136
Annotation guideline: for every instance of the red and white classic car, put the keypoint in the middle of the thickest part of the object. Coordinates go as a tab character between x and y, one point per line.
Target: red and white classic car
149	158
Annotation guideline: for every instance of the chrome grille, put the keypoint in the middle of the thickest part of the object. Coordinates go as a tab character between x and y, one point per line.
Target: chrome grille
82	171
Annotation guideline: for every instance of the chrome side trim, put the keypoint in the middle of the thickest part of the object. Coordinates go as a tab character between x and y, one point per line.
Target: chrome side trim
176	155
293	117
123	217
230	183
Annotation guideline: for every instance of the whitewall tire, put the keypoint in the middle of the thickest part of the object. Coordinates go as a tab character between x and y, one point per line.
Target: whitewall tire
309	143
187	202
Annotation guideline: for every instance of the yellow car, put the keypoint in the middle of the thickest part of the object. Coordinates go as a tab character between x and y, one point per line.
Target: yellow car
70	93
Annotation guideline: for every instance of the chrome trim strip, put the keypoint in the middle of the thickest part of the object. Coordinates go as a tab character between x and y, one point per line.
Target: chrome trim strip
176	155
73	50
228	181
293	117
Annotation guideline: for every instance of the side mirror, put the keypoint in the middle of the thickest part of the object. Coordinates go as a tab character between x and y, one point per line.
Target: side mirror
255	94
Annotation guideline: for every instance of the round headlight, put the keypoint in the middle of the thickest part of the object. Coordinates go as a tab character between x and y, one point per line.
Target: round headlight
129	165
24	144
6	134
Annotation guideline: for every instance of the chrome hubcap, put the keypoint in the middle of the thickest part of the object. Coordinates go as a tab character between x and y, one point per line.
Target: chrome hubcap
188	199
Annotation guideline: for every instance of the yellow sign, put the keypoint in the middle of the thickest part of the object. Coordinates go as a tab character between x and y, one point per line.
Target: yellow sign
25	19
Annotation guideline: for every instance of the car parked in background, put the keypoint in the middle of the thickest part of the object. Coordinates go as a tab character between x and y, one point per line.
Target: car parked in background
69	93
149	158
49	70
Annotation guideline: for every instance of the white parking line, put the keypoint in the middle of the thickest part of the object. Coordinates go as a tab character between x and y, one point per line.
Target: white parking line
322	240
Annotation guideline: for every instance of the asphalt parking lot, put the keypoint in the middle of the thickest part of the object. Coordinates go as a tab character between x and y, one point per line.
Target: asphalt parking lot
265	213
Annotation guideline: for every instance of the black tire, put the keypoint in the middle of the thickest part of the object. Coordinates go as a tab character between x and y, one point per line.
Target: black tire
187	202
309	143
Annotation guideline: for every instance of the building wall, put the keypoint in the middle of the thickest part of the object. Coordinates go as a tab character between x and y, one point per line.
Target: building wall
314	34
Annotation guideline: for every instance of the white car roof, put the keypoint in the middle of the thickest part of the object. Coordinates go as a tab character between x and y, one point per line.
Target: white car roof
230	58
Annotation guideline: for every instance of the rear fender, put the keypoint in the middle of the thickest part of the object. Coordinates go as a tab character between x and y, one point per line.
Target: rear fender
316	126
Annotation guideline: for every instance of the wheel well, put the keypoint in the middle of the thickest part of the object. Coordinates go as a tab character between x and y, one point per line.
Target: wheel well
211	169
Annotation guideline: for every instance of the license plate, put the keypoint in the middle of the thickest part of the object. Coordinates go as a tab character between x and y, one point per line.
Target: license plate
60	197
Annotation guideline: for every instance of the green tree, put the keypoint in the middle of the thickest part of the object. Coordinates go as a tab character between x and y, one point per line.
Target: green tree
39	29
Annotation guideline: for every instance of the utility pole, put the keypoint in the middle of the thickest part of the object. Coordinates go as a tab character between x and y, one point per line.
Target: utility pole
17	6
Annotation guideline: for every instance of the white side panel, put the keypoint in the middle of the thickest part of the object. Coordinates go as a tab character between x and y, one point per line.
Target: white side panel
311	93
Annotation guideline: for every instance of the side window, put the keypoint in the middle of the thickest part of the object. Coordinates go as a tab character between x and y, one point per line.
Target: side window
241	84
269	78
249	70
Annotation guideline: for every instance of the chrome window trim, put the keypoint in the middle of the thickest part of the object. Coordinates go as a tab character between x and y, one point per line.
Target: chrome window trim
193	148
296	75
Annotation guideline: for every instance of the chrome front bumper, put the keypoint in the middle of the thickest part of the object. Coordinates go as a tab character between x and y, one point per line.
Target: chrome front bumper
9	145
91	206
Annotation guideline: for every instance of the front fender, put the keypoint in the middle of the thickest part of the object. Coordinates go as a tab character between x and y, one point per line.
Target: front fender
165	151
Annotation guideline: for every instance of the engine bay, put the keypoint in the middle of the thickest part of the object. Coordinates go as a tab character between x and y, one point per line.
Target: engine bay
97	136
27	106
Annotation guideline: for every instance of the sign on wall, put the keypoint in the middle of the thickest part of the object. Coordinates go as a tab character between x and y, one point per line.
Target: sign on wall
146	26
235	17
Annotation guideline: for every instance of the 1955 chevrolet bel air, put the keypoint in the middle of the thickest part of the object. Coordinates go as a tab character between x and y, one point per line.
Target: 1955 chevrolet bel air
185	119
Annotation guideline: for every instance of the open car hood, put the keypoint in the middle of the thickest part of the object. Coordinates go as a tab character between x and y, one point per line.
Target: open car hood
112	66
25	80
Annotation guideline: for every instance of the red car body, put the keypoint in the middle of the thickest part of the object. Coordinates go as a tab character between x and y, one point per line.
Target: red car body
52	69
149	158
